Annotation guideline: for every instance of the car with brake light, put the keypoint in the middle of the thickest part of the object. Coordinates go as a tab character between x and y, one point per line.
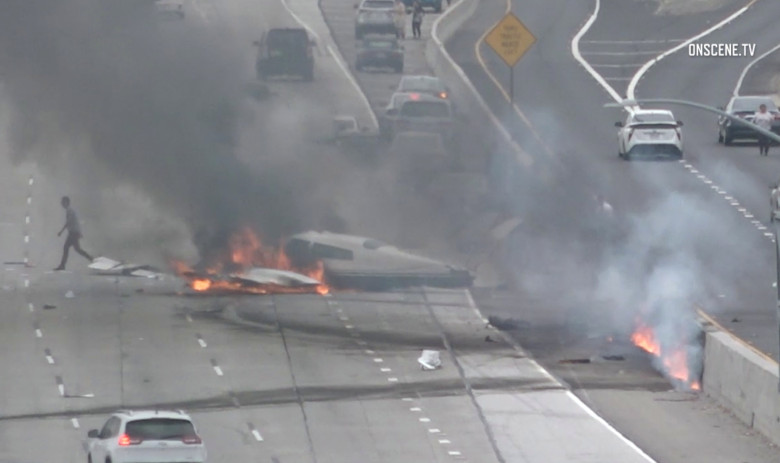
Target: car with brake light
428	85
425	113
650	134
745	107
160	436
380	52
284	52
375	22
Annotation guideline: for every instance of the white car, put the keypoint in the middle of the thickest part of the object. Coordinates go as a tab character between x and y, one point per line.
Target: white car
146	436
650	133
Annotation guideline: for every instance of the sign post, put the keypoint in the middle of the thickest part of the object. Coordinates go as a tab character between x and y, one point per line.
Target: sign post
510	39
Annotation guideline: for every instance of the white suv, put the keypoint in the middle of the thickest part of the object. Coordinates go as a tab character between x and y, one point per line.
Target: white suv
146	436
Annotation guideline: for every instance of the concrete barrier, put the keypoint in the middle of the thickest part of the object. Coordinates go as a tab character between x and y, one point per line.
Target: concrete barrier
463	91
744	381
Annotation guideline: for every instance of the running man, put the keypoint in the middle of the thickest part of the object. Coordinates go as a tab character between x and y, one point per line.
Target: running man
74	234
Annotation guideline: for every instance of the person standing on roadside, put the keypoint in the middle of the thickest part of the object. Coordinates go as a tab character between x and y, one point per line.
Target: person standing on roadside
417	17
400	19
763	119
74	234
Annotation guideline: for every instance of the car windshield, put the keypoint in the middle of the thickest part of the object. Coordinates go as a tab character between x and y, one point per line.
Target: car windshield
752	104
159	429
420	85
652	118
425	109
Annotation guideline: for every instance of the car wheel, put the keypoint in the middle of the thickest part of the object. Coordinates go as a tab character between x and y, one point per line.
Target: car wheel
727	139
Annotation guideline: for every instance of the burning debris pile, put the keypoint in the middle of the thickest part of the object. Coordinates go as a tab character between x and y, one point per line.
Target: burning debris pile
674	341
247	266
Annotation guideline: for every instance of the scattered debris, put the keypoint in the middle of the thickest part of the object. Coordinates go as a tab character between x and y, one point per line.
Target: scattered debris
430	360
506	324
489	339
49	306
574	361
614	358
735	320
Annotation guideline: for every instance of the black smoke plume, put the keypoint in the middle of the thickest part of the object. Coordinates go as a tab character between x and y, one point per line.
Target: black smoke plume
153	102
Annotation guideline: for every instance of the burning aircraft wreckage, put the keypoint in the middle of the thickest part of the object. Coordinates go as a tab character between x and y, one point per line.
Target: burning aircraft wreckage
308	263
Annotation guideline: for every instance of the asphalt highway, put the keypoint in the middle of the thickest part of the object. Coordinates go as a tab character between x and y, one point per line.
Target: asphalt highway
565	313
281	379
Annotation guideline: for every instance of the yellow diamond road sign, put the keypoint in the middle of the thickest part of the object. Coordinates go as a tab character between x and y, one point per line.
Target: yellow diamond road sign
510	39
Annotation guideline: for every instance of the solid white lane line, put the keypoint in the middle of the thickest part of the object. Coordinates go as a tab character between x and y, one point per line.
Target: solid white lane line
575	51
643	70
750	65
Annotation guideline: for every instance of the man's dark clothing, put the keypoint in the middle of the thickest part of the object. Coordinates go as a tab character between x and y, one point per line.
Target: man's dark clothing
74	235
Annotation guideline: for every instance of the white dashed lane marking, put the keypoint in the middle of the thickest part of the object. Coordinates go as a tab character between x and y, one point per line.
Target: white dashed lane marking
255	433
730	199
217	368
75	423
201	341
49	357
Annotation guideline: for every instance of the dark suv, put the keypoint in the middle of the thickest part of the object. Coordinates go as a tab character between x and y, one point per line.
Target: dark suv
745	107
285	51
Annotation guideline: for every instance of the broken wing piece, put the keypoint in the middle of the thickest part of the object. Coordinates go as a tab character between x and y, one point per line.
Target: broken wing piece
269	276
106	266
430	360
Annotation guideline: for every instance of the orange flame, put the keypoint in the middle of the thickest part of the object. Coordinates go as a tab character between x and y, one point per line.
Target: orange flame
674	361
246	250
